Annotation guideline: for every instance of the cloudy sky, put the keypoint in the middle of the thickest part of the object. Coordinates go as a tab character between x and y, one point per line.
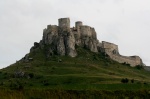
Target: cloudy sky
123	22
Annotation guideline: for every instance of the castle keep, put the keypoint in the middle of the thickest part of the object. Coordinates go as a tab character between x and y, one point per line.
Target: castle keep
64	38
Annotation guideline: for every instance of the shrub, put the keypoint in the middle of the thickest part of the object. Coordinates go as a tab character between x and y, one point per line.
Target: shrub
139	67
145	83
124	80
95	57
46	84
1	83
20	87
31	75
126	64
132	80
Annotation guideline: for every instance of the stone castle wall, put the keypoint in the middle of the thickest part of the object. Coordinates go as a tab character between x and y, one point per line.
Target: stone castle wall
110	47
85	31
113	52
49	33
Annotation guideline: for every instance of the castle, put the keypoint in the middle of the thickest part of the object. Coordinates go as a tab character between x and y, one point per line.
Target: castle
63	40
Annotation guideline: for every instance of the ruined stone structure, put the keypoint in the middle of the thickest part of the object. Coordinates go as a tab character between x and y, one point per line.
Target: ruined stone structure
62	40
113	52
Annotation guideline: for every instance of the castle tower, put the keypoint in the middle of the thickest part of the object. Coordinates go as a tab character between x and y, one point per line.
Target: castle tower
78	24
85	31
94	36
64	23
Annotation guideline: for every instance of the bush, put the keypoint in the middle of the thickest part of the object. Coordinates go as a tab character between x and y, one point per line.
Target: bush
31	75
46	84
1	83
145	83
126	64
132	80
139	67
21	87
124	80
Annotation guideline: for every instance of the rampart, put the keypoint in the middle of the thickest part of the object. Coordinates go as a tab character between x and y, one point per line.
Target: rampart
113	52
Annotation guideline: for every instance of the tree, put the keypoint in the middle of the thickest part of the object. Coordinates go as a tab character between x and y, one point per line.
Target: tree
124	80
132	80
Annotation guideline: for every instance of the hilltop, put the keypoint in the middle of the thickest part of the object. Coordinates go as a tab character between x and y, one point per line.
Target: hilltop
63	40
73	59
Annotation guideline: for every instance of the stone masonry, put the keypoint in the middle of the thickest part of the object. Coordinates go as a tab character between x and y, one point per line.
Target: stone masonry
63	39
113	52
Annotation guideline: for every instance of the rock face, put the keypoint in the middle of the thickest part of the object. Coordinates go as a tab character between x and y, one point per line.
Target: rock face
62	40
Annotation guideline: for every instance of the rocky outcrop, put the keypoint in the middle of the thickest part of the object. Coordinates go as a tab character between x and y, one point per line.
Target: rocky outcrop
62	39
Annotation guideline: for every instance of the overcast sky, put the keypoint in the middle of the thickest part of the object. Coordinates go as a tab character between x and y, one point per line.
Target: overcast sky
123	22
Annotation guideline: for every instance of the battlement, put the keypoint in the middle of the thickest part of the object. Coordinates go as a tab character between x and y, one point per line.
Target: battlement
51	29
51	26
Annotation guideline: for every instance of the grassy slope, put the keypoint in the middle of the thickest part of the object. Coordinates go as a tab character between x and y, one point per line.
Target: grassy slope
87	71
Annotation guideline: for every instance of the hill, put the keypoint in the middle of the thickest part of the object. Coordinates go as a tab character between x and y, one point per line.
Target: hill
87	69
88	74
59	66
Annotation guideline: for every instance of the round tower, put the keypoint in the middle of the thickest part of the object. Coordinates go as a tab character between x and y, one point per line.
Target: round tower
78	24
64	22
85	31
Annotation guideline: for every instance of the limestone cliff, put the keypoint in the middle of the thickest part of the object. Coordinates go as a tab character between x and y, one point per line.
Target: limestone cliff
63	39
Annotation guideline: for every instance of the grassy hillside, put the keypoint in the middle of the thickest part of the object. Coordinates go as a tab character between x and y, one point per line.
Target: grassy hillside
86	71
87	76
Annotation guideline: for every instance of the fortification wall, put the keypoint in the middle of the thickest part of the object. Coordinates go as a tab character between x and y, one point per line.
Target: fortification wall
49	33
94	36
85	31
76	32
110	47
128	60
76	36
112	50
52	28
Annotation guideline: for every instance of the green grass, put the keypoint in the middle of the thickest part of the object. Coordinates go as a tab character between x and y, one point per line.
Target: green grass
83	74
73	94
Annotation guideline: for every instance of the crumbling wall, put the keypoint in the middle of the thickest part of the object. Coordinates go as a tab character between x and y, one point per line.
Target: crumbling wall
110	47
94	36
77	35
85	31
133	61
113	52
50	33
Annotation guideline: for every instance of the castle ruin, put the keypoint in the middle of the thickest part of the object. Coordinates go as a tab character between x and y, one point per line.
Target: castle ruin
64	38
